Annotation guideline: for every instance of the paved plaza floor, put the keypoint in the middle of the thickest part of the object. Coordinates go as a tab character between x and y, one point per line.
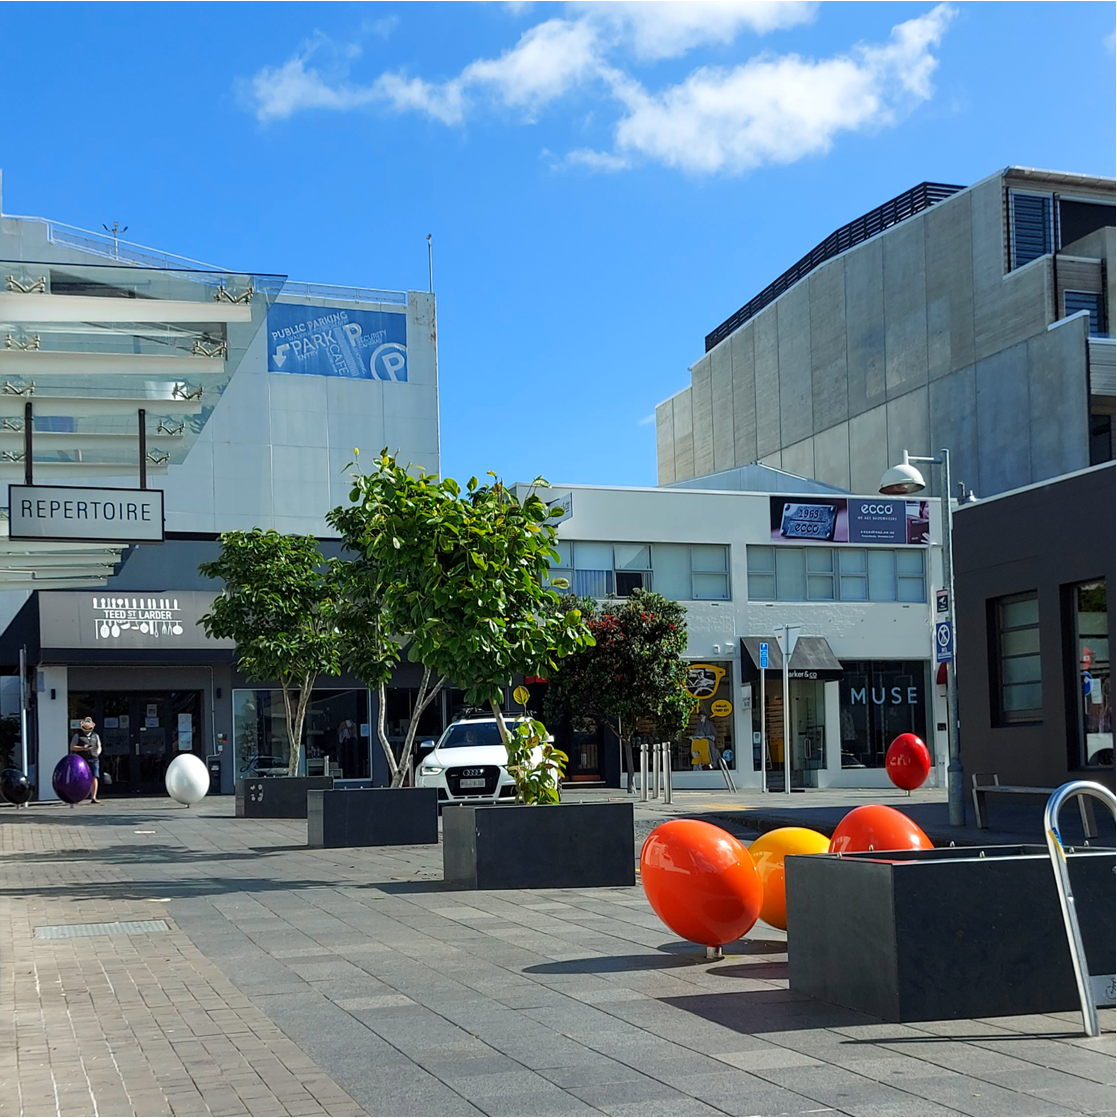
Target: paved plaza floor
162	960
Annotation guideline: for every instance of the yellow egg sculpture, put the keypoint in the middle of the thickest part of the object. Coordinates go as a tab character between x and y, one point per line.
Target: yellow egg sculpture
768	853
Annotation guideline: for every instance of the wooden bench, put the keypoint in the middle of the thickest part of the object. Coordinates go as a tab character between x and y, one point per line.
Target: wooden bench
981	789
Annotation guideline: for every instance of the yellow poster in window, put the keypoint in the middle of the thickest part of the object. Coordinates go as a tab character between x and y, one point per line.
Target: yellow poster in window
721	708
703	680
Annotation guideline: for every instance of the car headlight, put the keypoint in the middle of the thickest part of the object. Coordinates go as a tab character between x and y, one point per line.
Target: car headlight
430	770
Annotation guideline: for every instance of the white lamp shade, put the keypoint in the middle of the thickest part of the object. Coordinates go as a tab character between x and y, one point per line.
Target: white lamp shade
902	480
187	779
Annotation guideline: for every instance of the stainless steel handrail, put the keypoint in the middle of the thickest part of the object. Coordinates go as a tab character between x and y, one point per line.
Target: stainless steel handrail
1058	856
726	773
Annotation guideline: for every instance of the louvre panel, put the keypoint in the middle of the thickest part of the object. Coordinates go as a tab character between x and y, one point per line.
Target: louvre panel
1075	301
1031	228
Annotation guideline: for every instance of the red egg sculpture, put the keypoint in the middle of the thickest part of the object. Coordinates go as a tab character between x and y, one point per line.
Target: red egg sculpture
701	881
876	827
907	762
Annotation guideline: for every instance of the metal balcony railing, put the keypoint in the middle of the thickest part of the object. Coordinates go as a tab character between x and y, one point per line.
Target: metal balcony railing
868	225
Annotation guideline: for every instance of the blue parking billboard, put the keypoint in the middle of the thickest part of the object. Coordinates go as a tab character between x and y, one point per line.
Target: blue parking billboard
337	342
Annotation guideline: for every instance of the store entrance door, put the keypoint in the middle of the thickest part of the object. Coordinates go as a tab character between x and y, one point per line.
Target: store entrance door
141	733
808	733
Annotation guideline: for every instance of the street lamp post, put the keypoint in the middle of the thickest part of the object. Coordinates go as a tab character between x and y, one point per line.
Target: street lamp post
900	481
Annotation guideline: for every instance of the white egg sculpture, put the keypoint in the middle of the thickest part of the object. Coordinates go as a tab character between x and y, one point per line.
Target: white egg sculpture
187	779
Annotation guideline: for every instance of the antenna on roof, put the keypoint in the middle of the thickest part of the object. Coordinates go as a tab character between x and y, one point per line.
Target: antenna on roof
115	232
430	263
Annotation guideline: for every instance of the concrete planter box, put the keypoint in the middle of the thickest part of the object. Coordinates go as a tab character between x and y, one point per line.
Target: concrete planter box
372	817
553	846
929	935
277	797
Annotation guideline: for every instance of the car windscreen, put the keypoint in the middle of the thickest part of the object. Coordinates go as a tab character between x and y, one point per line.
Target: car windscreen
472	733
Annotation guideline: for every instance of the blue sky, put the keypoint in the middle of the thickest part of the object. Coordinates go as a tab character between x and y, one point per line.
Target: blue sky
604	183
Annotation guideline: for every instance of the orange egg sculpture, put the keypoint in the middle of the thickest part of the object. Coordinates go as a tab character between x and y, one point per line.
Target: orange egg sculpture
876	827
768	853
701	881
908	762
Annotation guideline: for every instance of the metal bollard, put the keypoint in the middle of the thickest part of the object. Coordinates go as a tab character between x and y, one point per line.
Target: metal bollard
666	772
655	772
643	770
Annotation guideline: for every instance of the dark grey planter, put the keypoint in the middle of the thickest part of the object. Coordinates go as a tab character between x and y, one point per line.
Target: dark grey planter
277	797
372	817
929	935
552	846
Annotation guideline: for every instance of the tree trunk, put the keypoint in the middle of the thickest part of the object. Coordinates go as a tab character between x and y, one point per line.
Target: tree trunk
295	718
422	701
626	741
500	724
382	734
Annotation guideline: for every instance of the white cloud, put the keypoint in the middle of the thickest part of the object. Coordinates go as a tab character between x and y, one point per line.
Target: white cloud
382	27
778	109
598	160
276	93
442	100
773	108
549	60
670	28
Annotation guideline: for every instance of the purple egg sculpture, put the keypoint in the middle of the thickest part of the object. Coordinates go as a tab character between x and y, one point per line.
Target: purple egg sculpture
72	779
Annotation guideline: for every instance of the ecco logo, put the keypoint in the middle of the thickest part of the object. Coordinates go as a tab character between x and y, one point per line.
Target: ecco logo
877	510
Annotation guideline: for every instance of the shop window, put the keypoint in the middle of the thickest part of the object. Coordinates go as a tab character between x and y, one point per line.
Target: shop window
1093	679
824	574
1019	692
708	736
336	733
879	700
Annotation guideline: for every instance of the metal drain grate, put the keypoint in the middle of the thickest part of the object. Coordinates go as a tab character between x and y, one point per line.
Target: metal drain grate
116	928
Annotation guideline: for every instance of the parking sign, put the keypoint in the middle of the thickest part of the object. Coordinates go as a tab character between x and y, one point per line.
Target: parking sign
944	642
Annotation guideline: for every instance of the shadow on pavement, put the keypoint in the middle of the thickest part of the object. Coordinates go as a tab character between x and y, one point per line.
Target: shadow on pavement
768	1011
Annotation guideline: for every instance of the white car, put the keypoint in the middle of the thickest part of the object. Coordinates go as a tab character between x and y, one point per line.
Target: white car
469	764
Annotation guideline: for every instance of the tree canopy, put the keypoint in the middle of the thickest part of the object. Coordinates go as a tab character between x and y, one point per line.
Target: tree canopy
634	670
279	605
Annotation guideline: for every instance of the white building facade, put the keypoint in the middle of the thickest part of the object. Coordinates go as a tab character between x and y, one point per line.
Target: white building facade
857	574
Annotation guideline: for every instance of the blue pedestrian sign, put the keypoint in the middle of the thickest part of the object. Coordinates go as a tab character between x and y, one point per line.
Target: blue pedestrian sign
764	654
944	642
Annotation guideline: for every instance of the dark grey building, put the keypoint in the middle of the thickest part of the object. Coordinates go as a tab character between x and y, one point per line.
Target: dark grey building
1034	579
976	318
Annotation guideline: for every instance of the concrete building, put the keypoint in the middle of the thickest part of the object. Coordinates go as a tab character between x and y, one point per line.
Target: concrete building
251	392
857	573
977	319
1034	571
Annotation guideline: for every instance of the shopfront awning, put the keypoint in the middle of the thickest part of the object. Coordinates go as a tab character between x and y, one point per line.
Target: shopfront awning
813	657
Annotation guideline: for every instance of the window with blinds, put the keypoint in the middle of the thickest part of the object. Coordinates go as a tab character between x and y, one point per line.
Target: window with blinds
1032	227
1090	301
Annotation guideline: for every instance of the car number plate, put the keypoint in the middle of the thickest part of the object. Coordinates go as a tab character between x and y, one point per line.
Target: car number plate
472	782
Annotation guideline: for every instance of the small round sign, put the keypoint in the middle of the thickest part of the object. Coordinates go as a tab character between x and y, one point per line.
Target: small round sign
720	708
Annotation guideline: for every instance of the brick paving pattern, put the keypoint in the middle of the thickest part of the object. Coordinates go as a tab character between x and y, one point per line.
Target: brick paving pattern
356	979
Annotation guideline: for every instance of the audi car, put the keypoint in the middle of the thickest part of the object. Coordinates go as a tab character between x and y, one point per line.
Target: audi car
468	764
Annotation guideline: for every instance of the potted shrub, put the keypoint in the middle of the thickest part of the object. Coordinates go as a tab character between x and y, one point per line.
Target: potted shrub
537	842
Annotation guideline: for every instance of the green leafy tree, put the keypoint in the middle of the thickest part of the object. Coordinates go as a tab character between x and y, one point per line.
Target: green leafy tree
634	670
371	646
279	605
534	762
461	576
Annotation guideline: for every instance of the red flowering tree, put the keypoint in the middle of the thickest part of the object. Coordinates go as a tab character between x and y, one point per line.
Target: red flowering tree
635	669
